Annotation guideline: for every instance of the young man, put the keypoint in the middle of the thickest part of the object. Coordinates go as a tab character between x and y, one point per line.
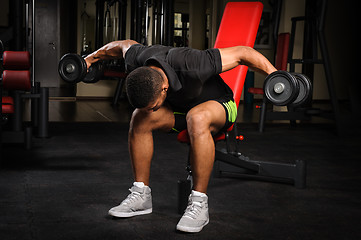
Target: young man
174	89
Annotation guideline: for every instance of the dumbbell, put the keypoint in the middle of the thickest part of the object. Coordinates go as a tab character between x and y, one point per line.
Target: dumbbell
282	88
73	69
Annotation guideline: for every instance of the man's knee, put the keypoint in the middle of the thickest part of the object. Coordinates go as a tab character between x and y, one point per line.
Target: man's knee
198	122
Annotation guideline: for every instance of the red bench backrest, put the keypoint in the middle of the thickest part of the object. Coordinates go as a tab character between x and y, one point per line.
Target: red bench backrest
238	27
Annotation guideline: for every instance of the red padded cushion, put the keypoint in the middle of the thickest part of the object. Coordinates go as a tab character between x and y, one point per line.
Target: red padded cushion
7	100
283	43
238	27
16	80
110	73
13	60
256	90
7	109
7	105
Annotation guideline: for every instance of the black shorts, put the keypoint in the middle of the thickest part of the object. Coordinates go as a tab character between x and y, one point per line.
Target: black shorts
229	106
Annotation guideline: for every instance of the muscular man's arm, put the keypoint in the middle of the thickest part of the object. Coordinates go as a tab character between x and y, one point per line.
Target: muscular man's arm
112	50
241	55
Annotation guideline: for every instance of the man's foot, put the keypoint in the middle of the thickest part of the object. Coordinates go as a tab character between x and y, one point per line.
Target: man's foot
196	215
138	202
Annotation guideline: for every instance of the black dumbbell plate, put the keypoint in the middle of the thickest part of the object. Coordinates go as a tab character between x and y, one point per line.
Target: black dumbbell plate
72	68
288	92
305	90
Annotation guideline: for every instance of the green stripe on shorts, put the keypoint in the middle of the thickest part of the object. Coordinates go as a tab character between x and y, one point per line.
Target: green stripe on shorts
179	113
232	110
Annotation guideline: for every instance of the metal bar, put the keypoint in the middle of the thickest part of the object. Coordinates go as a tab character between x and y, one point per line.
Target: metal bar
118	91
138	21
329	79
262	115
301	61
276	19
28	136
17	120
122	19
99	23
1	116
43	113
33	46
268	171
146	6
34	104
161	21
236	161
168	12
292	40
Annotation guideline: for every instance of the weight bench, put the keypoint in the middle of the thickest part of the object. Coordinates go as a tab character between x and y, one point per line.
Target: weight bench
239	26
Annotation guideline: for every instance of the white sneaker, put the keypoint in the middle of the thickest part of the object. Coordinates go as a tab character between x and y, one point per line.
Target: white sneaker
196	215
138	202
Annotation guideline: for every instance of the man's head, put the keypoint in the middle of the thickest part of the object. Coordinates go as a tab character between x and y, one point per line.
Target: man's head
146	88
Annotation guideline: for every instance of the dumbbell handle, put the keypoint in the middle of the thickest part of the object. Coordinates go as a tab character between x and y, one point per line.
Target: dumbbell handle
70	68
279	88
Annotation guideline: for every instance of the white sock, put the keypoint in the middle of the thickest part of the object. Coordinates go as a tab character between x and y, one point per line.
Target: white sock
198	194
139	184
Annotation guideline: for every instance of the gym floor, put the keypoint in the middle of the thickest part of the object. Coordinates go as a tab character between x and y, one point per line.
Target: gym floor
63	187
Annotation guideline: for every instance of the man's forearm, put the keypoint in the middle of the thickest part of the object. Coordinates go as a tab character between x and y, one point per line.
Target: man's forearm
112	50
109	51
257	62
241	55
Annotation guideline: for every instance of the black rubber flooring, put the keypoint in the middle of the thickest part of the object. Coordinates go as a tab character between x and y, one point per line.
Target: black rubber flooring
64	186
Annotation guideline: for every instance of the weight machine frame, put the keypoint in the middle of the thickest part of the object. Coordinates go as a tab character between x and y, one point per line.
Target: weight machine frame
99	18
314	33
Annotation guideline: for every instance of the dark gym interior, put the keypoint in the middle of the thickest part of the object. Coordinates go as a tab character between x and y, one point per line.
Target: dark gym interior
64	144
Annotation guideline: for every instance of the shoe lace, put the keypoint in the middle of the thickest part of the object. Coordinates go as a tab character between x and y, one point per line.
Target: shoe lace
132	197
193	210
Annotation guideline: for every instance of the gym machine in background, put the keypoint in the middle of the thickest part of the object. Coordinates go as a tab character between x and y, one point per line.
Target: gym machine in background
16	85
313	37
163	22
18	82
151	22
111	20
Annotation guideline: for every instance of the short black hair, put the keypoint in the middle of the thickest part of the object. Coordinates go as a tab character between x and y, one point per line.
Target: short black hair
143	85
